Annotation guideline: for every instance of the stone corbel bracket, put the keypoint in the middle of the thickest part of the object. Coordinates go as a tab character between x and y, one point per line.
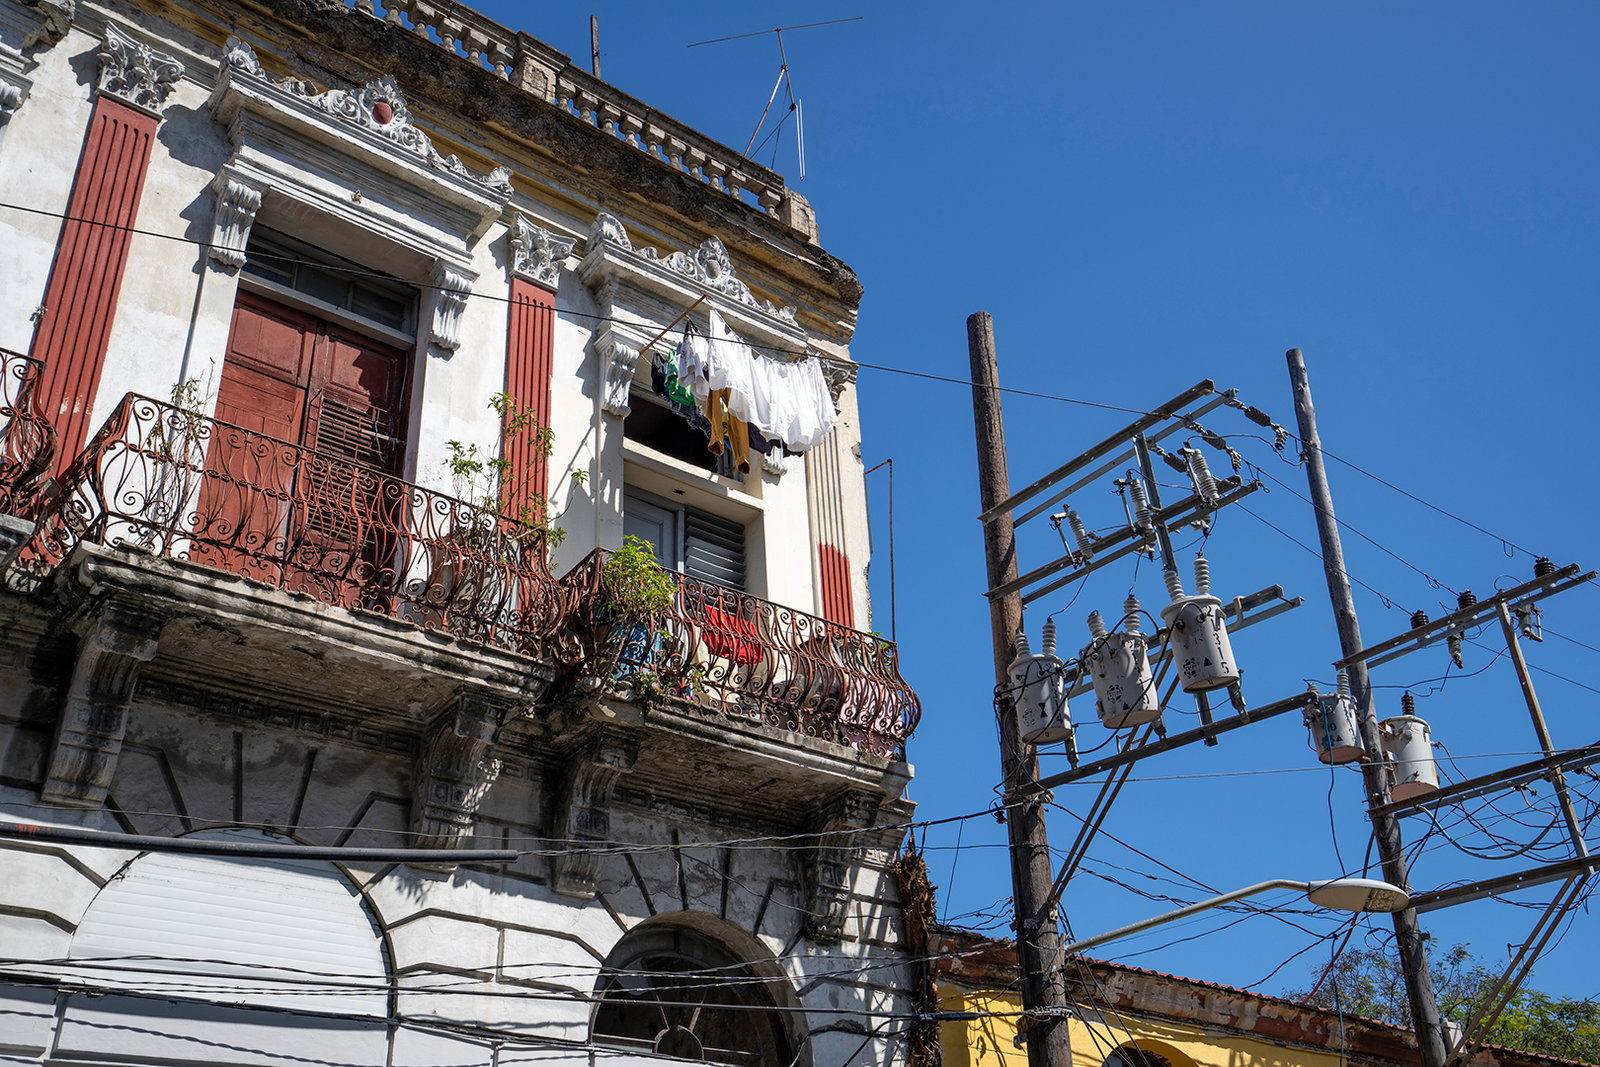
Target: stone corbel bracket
640	291
584	812
238	200
828	862
116	643
135	73
451	287
838	374
537	255
456	767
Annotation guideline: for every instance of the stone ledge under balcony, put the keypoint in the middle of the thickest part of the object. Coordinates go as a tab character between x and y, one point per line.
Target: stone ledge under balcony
237	637
697	757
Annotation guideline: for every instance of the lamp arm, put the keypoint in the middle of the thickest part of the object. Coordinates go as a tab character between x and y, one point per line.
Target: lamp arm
1184	913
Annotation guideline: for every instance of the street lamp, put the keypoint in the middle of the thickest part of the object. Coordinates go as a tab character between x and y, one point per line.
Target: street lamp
1343	894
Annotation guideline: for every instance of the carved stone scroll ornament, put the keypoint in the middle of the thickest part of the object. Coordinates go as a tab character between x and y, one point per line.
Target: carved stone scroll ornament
135	73
828	863
607	229
536	253
237	204
838	374
455	769
94	718
619	361
13	91
585	810
450	303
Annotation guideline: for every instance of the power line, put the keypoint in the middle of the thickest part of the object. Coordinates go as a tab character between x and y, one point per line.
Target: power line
429	286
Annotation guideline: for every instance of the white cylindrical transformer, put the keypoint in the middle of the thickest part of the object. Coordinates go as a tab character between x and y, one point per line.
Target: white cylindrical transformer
1334	733
1200	644
1039	693
1406	742
1119	664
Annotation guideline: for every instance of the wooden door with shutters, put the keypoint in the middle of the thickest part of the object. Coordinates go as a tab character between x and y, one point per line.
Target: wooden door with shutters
301	494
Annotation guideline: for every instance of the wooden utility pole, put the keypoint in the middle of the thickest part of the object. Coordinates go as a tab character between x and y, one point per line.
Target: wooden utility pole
1044	990
1385	826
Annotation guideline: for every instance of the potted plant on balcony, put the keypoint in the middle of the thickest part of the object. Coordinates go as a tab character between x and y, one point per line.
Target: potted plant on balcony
636	595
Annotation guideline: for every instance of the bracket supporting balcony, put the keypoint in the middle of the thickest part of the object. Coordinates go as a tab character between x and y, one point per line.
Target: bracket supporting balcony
828	862
585	810
456	767
116	644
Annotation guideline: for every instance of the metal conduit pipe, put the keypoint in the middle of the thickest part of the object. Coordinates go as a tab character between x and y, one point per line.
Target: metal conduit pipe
74	835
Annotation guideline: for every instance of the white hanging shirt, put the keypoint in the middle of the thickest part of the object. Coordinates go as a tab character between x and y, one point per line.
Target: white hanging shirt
788	402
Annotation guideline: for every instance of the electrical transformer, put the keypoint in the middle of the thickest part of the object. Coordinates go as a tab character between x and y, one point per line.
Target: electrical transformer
1332	721
1039	691
1407	744
1199	634
1119	664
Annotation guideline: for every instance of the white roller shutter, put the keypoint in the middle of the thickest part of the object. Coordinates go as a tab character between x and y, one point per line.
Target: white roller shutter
276	933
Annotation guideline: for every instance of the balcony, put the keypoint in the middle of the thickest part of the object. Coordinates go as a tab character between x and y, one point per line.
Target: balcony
734	655
166	482
27	440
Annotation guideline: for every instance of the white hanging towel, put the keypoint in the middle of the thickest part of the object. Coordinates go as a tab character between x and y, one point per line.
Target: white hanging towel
788	402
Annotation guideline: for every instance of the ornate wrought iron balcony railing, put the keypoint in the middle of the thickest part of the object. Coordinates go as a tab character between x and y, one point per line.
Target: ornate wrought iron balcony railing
747	658
27	438
174	483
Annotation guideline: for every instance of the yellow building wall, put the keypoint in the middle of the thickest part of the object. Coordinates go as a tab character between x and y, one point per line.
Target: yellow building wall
988	1041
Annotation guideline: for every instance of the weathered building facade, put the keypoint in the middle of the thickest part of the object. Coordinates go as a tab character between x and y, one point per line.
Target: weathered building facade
277	570
1132	1017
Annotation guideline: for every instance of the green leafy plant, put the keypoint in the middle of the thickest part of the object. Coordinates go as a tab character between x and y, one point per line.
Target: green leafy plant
637	583
482	480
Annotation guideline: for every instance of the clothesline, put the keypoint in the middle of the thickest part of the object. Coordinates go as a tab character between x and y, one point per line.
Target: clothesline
714	380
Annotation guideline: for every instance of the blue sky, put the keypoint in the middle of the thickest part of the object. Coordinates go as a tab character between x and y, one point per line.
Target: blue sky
1145	195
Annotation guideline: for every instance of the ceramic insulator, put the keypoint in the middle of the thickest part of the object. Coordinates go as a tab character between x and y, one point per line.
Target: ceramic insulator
1049	637
1344	682
1202	576
1080	535
1141	505
1097	625
1174	586
1204	484
1130	611
1019	644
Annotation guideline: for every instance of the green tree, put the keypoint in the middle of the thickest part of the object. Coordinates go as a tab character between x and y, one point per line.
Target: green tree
1368	983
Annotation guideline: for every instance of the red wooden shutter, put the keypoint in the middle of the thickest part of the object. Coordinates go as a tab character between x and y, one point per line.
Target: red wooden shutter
80	300
837	605
530	348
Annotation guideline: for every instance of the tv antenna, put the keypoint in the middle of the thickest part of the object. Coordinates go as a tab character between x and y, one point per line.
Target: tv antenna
784	81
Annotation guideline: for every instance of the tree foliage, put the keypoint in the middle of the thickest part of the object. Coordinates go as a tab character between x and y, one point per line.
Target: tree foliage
1368	982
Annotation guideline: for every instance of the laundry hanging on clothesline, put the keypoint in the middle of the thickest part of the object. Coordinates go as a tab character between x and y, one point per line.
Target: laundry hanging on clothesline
786	402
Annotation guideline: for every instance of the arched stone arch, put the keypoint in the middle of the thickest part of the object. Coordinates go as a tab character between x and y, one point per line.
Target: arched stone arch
695	986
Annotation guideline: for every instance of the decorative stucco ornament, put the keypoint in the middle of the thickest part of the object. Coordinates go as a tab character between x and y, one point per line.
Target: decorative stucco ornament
711	266
453	287
135	73
379	107
536	253
838	374
607	229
